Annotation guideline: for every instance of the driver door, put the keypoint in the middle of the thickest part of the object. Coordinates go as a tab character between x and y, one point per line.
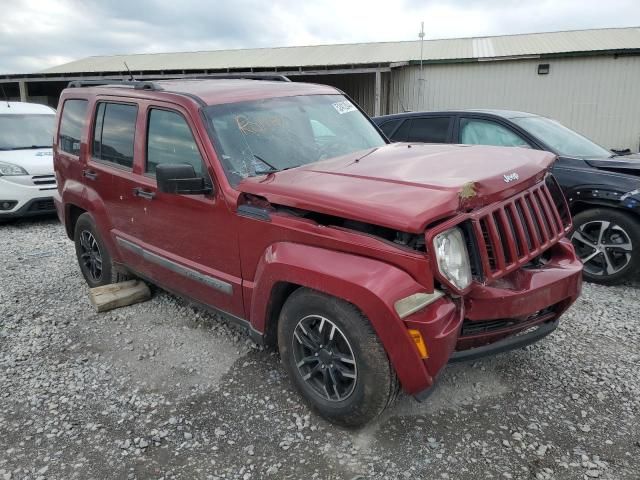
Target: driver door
187	242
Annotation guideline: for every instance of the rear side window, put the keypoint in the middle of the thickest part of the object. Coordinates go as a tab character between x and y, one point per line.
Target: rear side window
170	141
389	127
114	133
430	130
73	117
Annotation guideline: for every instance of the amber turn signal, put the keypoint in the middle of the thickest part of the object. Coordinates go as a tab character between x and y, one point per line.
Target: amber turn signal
419	341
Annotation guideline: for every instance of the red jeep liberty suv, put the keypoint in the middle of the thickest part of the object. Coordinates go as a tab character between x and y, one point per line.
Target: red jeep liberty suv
282	207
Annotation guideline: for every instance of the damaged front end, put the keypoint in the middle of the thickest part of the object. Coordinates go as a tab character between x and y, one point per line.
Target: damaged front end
525	273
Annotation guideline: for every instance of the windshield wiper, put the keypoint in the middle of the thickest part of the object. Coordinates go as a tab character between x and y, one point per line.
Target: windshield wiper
28	148
272	169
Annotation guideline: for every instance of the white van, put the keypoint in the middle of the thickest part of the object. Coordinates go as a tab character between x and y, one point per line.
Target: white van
27	181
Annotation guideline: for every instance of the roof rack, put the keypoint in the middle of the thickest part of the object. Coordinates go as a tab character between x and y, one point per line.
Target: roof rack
137	84
149	85
240	76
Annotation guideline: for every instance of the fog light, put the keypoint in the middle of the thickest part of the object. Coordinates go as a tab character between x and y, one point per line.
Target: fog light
7	204
419	341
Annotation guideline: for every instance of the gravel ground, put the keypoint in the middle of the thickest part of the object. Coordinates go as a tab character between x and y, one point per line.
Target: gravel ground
162	390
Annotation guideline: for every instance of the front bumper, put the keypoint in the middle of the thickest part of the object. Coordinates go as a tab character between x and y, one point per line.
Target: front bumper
512	312
439	324
28	195
31	208
527	298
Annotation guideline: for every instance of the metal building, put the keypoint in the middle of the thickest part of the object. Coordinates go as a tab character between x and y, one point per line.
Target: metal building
587	79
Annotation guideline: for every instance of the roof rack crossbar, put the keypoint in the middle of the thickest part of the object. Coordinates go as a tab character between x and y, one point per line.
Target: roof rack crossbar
137	84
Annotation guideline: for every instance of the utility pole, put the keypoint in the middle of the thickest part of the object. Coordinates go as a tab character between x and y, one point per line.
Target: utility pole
421	79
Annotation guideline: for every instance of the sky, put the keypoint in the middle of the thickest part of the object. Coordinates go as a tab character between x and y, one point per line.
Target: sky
38	34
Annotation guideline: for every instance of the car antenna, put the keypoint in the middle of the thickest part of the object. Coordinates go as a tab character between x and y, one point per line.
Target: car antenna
131	79
4	94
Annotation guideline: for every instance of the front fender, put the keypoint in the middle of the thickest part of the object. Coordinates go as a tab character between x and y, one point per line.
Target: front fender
370	285
595	196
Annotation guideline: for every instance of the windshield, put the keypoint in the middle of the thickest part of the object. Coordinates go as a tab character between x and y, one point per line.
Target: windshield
259	137
26	131
560	139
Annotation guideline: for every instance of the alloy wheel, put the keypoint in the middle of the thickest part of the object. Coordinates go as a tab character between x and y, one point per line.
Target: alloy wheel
90	255
324	358
604	247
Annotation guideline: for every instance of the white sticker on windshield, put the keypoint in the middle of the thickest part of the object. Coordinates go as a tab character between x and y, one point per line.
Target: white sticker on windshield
344	107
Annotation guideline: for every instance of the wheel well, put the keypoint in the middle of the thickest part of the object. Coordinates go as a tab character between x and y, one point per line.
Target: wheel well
71	217
279	294
579	207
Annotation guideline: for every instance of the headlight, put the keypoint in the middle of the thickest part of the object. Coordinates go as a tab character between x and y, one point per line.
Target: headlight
11	169
453	258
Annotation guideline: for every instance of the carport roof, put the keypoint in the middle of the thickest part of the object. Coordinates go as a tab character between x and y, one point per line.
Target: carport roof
584	42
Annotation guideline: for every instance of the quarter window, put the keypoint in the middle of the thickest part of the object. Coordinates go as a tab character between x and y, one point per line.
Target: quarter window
400	135
170	141
429	130
73	115
114	133
389	127
484	132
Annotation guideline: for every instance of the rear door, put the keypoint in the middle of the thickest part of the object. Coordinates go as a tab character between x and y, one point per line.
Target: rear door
109	170
187	243
427	129
432	129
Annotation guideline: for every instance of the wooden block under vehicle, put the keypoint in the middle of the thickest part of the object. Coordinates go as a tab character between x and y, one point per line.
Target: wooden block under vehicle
117	295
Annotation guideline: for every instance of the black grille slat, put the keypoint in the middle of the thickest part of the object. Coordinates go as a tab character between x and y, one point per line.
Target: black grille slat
512	226
42	205
489	245
505	235
535	220
43	180
474	328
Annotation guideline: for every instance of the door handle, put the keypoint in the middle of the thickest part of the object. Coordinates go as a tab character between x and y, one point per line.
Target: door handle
139	192
90	174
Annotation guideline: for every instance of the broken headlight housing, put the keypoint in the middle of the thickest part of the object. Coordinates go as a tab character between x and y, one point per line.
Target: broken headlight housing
453	258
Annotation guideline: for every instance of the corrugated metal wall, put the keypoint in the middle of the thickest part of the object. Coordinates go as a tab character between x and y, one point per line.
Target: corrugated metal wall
359	86
598	96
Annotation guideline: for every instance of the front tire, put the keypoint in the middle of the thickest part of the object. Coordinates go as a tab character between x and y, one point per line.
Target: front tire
608	243
94	259
334	358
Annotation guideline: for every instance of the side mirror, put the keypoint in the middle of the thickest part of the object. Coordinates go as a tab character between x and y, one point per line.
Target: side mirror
180	179
621	152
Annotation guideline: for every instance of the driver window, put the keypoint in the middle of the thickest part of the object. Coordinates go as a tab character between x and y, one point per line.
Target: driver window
169	140
484	132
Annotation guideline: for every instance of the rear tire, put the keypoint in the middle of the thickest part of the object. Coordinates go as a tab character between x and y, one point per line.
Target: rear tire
94	259
608	243
350	381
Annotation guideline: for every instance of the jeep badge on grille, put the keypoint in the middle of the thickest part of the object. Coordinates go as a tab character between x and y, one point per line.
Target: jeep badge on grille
510	177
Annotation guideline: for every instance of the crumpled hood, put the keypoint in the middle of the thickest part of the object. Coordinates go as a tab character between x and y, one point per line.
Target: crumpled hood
629	164
37	161
404	186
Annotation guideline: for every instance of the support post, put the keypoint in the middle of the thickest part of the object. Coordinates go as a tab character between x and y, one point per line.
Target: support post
378	88
24	90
